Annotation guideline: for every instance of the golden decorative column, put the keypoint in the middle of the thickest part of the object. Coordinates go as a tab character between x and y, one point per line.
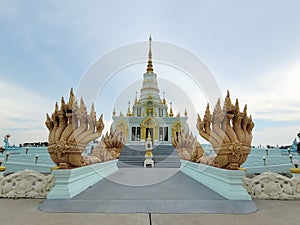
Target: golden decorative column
148	155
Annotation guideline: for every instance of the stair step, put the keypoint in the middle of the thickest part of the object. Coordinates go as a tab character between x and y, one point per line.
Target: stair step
164	156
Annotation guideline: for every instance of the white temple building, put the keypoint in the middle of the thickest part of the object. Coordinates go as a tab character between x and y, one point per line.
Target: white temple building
150	113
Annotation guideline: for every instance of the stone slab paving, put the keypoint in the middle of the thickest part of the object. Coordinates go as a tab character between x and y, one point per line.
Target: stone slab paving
25	212
149	190
270	212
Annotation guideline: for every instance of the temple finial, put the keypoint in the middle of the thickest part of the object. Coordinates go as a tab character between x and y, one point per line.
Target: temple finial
164	99
150	66
135	100
171	110
128	110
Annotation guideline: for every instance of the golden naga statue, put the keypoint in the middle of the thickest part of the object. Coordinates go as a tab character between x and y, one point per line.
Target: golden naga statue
111	146
186	145
71	128
230	133
188	148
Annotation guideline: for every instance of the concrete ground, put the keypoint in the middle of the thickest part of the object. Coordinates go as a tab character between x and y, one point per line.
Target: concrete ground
270	212
144	190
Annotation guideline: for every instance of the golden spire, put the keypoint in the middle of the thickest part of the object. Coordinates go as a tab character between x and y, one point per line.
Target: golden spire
171	110
135	100
128	110
150	66
185	113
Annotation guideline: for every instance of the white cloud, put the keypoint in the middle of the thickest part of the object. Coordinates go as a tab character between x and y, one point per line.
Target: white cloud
275	135
275	95
22	113
51	32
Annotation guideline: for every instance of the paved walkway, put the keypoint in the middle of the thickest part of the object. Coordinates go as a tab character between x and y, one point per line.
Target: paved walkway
24	211
149	190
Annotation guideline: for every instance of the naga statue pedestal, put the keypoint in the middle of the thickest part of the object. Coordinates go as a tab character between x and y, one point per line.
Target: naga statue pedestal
148	155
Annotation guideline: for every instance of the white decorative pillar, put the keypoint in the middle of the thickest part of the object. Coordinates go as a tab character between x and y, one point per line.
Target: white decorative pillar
148	155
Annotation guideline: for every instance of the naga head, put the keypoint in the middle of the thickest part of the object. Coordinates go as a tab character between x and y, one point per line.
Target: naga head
71	129
100	124
231	140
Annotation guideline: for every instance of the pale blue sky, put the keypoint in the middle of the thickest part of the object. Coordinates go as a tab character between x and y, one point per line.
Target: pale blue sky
251	47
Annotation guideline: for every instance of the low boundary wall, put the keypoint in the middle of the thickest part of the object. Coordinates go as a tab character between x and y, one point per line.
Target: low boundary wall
71	182
228	183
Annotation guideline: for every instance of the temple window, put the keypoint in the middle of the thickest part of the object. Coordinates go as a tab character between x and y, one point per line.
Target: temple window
135	134
160	112
163	133
139	112
138	133
166	134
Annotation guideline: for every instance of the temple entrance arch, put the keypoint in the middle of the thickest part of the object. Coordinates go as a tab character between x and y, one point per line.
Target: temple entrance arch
149	124
177	128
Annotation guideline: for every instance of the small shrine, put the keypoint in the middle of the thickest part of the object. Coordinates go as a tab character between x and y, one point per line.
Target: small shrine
148	155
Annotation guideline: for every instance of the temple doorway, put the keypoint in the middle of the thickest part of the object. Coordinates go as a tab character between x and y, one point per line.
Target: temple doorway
150	131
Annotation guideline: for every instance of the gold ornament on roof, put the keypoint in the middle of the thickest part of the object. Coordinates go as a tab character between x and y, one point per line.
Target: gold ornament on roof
135	100
171	110
128	110
164	99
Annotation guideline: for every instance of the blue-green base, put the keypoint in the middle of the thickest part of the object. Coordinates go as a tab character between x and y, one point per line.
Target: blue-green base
71	182
228	183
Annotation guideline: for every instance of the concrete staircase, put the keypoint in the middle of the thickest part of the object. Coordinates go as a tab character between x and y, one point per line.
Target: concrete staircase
164	156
